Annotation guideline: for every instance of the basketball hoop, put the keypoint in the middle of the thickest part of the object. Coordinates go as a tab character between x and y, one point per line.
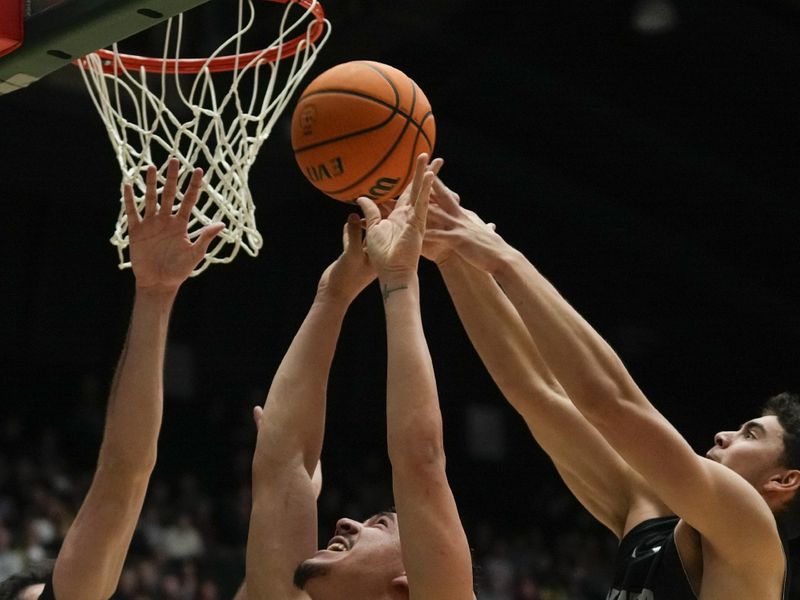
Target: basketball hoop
217	125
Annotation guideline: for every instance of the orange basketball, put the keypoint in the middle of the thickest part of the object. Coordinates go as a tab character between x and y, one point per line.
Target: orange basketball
358	128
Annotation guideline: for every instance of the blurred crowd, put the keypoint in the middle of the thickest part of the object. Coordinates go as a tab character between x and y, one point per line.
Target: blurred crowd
190	541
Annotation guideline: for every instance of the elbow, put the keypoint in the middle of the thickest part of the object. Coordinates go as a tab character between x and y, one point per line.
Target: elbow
531	392
274	469
421	453
600	400
280	446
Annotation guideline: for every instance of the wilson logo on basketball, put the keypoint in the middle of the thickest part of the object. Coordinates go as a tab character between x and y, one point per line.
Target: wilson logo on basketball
327	170
307	119
382	187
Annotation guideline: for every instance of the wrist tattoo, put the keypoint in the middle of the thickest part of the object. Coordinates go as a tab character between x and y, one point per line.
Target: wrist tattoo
387	291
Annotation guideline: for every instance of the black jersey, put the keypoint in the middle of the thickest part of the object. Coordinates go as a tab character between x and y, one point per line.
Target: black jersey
648	566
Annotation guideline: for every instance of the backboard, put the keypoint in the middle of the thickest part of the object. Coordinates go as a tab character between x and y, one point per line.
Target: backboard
56	32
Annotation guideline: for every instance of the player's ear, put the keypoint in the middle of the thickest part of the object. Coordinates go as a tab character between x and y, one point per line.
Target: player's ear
791	479
785	481
400	587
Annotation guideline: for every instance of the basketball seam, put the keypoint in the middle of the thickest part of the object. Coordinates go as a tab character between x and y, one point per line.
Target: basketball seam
347	92
395	112
420	133
377	69
413	157
392	148
395	109
418	127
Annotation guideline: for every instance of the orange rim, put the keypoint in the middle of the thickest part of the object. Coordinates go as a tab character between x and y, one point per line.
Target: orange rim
187	66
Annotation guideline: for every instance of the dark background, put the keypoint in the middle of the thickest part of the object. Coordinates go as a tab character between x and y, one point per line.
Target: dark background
652	177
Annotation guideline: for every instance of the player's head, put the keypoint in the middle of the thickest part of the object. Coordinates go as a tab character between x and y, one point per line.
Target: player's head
362	560
27	584
766	452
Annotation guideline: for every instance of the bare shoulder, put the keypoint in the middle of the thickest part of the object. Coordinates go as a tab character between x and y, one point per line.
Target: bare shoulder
732	517
748	571
744	508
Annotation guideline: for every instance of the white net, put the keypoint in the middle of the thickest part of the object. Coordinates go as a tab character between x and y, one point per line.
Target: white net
217	121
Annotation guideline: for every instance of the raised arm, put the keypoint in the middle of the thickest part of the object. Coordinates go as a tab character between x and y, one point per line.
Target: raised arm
434	547
283	522
598	384
593	471
316	485
162	255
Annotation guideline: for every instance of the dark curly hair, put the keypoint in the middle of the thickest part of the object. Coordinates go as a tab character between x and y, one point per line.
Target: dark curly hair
39	572
786	406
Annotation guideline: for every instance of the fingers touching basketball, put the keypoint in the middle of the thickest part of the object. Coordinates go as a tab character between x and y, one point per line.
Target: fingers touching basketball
420	169
372	214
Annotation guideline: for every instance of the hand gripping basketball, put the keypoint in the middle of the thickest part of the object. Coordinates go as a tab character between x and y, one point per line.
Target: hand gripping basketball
394	243
351	272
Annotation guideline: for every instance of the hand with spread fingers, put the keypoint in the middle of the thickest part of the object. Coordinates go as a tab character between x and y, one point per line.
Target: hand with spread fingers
162	253
430	553
387	206
448	225
92	556
394	243
579	401
453	229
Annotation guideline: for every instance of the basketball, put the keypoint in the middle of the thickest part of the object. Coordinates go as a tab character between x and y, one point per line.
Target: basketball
358	128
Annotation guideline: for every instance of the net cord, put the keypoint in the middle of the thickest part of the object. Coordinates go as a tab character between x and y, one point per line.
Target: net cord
144	129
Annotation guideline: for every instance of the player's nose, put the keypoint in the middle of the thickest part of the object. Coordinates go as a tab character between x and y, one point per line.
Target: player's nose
723	439
347	527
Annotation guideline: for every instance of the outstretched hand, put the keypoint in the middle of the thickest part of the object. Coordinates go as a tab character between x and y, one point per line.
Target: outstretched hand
351	272
452	229
162	254
444	203
394	243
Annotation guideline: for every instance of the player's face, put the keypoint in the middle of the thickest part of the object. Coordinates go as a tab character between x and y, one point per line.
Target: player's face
360	558
754	451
